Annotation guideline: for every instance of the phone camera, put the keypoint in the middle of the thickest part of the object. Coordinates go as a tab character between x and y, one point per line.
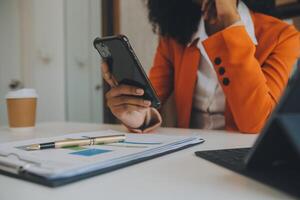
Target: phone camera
104	51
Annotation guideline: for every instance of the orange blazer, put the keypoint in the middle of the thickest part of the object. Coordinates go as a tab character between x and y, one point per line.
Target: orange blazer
254	78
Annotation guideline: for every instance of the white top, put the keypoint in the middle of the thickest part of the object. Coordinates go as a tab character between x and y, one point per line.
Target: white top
175	176
209	98
22	93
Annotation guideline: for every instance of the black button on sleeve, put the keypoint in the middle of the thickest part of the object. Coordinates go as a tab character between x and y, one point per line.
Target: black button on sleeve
226	81
218	61
222	71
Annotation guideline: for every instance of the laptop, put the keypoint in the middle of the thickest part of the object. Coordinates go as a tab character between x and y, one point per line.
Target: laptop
275	157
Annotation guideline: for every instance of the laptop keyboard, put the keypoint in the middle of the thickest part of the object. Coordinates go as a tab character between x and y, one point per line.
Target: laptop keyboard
227	157
233	159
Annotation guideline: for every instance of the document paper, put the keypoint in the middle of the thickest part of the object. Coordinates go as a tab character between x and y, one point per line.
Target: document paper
68	162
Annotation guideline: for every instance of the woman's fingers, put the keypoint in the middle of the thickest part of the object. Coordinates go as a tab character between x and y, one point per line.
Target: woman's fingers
209	10
119	110
108	77
203	5
124	90
124	95
226	7
114	80
227	12
123	100
212	14
206	8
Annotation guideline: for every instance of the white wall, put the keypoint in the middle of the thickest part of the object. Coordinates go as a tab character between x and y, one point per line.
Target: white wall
84	100
134	24
47	44
10	63
32	51
49	59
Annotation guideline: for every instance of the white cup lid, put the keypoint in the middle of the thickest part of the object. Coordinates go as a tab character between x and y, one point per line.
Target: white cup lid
23	93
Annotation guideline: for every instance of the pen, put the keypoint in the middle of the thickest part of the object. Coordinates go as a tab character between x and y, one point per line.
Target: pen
77	142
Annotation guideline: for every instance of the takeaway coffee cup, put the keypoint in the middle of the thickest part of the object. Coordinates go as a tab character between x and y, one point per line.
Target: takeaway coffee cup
21	109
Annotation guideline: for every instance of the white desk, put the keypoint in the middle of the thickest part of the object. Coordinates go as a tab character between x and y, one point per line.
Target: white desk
180	175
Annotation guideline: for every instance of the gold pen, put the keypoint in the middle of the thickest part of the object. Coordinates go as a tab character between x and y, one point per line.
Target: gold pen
77	142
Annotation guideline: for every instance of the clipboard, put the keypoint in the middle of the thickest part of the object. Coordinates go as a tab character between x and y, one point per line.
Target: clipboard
18	167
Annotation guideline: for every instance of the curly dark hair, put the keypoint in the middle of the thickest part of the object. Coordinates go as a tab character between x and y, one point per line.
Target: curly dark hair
179	19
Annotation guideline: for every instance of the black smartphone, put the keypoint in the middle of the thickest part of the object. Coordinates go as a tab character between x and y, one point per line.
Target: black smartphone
125	66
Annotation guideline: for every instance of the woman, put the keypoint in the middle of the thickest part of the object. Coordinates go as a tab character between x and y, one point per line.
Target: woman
227	66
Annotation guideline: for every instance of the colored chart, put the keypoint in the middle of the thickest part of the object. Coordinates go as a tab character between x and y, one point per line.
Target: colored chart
90	152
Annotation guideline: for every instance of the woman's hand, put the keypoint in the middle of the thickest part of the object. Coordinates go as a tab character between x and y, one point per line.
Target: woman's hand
125	101
220	12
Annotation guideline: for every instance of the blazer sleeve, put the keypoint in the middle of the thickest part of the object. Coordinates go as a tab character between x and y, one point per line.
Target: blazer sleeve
252	89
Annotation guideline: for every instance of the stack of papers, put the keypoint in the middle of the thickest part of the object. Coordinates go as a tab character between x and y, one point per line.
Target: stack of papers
67	163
